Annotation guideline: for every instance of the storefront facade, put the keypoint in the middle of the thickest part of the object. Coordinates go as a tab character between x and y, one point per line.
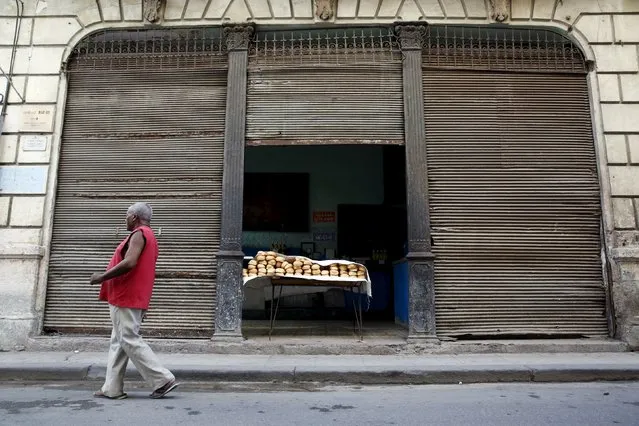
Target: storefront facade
519	174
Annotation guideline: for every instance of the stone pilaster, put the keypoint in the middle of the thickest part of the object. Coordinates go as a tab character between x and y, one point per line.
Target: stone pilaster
421	298
228	318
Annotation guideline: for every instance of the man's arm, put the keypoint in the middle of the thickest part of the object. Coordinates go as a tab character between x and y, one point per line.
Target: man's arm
136	245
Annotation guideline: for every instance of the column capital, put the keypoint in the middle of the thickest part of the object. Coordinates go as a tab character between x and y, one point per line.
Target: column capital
238	37
411	34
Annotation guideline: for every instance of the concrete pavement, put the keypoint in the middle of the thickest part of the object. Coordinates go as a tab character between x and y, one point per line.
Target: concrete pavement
346	369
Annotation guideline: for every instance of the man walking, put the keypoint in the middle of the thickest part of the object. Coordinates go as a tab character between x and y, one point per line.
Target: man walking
127	286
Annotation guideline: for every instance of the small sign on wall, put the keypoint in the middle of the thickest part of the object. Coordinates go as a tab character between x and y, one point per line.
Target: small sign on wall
35	143
321	236
37	118
324	217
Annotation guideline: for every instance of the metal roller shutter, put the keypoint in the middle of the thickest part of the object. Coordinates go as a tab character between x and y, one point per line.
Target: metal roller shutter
139	135
515	208
325	106
325	87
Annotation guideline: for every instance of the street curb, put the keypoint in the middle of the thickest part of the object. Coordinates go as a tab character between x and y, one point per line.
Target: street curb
44	373
375	376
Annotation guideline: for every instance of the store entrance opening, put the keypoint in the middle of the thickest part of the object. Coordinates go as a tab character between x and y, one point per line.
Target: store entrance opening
327	202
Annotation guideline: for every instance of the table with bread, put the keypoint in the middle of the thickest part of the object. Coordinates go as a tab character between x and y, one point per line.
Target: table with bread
294	275
311	276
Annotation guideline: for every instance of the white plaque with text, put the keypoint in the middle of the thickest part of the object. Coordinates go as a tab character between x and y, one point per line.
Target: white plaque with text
35	143
37	118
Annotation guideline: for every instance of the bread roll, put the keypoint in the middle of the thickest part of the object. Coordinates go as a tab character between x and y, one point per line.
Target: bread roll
306	267
343	267
271	253
352	267
352	274
307	262
280	259
315	267
279	271
299	271
325	273
252	262
298	264
252	275
271	262
290	270
316	272
270	257
278	264
334	273
260	258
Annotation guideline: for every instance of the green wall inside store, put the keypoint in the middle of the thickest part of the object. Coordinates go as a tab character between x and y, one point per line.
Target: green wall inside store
345	174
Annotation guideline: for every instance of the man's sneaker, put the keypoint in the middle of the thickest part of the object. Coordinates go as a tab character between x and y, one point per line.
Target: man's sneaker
162	391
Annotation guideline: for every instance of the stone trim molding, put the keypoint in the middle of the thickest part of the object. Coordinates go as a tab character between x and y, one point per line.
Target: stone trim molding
626	254
22	251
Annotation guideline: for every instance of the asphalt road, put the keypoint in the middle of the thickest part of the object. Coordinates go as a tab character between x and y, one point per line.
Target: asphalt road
489	404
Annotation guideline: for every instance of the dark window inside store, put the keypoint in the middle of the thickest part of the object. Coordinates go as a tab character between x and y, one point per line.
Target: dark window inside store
363	190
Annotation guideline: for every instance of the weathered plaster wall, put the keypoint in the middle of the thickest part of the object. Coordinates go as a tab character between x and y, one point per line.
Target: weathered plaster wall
607	29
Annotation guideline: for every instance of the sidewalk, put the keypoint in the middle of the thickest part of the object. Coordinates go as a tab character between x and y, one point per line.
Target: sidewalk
345	369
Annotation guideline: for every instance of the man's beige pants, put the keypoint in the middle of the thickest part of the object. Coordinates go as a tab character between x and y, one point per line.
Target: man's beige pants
126	343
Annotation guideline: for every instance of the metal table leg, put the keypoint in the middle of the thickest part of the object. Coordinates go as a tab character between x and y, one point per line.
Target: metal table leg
357	308
274	314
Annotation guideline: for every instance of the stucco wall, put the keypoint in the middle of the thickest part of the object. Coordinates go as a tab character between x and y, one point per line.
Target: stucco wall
606	29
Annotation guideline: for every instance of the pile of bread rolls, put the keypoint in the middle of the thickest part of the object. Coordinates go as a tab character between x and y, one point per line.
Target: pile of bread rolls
272	264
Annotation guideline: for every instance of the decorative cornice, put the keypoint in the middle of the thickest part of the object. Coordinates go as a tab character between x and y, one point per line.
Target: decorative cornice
154	10
325	9
411	35
238	37
500	10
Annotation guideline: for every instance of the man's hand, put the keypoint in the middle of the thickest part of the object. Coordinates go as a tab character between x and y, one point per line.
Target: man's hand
96	278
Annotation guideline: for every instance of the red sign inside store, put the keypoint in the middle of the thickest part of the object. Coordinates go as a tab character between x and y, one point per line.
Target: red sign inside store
324	217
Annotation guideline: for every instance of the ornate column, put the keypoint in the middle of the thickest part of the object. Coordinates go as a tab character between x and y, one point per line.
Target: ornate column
421	285
228	317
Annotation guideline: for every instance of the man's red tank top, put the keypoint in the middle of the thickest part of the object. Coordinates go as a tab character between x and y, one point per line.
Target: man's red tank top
133	289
